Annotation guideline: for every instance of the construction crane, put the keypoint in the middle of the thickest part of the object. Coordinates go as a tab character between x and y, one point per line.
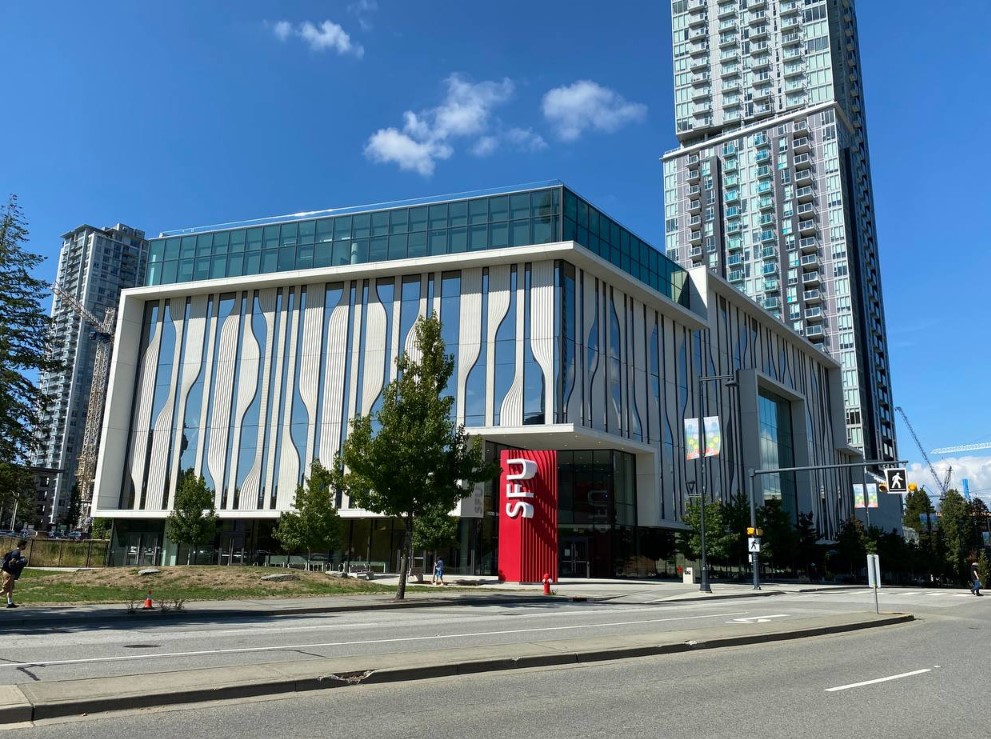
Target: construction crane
103	335
962	448
932	470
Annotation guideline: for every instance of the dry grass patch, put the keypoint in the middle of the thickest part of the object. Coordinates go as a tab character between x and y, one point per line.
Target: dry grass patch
123	585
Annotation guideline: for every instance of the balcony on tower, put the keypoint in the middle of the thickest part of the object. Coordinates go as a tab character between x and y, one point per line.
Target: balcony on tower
814	314
694	206
807	228
811	278
802	144
804	175
695	237
812	296
811	261
809	245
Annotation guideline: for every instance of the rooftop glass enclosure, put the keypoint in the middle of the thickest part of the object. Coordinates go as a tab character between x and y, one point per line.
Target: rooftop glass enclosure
540	214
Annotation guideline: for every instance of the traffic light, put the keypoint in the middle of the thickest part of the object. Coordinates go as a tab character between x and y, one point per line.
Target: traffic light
912	487
883	487
751	531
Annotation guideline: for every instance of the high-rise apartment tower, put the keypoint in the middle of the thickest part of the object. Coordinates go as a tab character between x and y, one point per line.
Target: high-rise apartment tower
95	264
771	184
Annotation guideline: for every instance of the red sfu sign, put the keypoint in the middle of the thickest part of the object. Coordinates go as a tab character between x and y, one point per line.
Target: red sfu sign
528	516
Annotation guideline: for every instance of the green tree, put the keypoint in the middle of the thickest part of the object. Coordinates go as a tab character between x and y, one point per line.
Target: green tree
17	493
193	521
806	537
101	528
851	545
960	534
737	517
23	354
719	541
75	505
780	541
984	568
436	529
315	525
410	458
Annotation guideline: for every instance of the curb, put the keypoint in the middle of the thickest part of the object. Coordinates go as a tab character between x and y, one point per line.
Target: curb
16	706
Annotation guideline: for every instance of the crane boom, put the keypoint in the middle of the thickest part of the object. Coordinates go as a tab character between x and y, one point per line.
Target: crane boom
962	448
103	334
932	470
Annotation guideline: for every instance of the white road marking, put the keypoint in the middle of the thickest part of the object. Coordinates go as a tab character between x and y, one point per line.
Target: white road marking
879	680
291	647
757	619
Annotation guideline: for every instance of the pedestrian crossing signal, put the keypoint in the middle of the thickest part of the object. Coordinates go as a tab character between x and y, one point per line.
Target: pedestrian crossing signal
752	531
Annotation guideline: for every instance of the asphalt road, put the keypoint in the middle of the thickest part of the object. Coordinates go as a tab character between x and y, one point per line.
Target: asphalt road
127	648
920	679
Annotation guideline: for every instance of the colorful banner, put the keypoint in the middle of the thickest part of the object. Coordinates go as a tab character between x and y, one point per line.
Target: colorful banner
858	496
872	495
692	439
713	438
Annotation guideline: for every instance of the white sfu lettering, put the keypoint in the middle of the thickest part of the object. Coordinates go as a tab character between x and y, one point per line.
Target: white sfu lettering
515	491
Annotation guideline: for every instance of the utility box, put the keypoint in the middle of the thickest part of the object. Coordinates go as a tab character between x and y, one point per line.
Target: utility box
689	577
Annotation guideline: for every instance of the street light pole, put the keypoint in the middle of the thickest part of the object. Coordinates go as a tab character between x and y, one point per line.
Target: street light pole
754	556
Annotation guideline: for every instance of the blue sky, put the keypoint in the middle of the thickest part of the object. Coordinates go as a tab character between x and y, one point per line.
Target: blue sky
166	115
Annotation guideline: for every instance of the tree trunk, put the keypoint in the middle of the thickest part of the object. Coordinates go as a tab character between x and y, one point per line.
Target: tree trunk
405	559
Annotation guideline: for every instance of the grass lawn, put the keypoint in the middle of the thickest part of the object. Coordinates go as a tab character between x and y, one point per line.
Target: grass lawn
123	585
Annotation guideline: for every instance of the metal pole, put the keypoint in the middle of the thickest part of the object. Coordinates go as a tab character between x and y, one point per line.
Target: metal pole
755	557
704	582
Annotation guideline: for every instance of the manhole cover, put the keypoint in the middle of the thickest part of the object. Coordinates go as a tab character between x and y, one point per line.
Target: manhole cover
142	646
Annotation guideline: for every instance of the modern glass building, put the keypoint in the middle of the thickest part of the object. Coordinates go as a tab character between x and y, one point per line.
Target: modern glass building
252	345
770	187
95	264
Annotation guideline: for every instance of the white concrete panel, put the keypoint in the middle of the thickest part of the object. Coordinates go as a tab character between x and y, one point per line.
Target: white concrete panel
142	417
247	385
289	461
374	359
309	372
191	370
511	413
498	307
158	460
470	334
333	384
542	329
638	379
248	500
223	387
211	340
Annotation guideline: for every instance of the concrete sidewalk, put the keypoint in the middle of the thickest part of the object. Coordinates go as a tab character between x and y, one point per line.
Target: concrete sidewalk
466	591
44	700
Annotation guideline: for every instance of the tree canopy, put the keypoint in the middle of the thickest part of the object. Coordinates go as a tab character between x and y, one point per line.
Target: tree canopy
410	458
315	525
193	521
23	354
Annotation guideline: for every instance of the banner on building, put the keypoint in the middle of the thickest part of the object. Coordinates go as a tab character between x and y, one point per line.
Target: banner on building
528	515
692	450
858	496
713	437
872	495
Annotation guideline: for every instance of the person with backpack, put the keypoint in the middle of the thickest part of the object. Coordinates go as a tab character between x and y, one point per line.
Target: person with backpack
13	563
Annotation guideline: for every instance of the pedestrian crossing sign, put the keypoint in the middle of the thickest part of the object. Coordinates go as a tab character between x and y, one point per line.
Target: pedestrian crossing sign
896	480
753	545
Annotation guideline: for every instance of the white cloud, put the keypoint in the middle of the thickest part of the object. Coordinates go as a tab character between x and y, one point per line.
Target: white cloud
976	470
392	145
466	112
363	9
319	37
520	139
584	105
282	30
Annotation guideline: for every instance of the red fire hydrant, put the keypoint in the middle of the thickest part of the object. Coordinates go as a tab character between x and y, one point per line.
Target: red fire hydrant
547	584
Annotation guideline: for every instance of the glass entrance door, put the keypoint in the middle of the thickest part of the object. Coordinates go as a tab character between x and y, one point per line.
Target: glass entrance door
573	560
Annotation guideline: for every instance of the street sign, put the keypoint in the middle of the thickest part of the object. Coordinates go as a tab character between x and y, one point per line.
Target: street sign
896	480
753	545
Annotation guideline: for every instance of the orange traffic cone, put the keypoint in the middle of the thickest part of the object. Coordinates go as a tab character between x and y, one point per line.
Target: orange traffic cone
148	604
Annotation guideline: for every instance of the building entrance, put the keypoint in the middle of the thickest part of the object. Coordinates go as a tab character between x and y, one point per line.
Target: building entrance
573	560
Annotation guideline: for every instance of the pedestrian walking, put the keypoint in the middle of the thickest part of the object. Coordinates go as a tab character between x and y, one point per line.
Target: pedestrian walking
439	572
975	579
13	563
